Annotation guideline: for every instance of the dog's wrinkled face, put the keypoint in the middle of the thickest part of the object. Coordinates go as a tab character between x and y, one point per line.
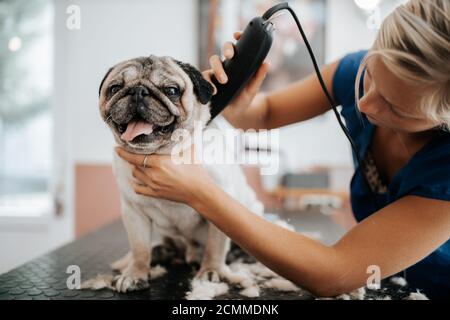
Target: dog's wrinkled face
144	100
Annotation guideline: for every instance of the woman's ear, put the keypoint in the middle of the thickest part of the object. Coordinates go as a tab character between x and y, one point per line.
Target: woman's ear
202	88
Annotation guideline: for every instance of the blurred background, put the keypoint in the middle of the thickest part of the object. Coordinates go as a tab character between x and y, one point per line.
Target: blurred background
56	182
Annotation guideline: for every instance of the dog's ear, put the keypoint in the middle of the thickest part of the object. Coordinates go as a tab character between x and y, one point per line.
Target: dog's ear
103	81
202	88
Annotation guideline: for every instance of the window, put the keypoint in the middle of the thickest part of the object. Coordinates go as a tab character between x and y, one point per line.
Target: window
26	51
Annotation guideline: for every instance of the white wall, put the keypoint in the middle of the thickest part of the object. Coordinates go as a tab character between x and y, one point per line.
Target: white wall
346	29
22	239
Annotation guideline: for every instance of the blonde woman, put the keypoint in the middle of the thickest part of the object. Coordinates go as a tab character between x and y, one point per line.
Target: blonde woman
396	102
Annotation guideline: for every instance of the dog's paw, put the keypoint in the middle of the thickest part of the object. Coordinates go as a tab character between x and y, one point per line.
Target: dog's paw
223	273
126	283
208	274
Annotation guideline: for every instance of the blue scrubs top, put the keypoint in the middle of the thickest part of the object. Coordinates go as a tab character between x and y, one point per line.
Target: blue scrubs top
427	175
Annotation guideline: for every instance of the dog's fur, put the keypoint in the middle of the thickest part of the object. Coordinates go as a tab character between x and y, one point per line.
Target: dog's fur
147	218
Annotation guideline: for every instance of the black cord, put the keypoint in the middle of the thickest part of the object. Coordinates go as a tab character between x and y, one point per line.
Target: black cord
324	87
285	6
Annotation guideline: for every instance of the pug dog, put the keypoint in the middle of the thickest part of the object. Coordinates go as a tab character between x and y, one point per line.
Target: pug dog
143	101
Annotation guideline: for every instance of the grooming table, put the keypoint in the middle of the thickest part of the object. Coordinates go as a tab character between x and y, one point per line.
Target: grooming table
45	277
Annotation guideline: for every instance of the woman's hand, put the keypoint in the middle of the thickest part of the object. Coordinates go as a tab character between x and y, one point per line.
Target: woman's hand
163	178
243	100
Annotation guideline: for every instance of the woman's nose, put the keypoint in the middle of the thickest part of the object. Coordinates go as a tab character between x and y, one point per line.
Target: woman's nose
368	104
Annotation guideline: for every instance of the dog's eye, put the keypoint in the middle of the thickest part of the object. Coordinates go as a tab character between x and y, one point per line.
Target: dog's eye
114	89
172	92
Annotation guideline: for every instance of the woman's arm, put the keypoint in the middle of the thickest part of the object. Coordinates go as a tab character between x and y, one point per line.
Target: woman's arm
299	101
392	239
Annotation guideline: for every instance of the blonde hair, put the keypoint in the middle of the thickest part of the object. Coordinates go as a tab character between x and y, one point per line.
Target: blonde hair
414	43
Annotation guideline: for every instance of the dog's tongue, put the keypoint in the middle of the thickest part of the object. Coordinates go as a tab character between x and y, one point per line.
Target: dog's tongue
136	128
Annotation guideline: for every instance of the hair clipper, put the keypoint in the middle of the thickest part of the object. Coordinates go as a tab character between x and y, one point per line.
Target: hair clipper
249	53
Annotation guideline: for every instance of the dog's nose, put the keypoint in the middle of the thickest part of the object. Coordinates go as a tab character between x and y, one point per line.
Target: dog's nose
139	92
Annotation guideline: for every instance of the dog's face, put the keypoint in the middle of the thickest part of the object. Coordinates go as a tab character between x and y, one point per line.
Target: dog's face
144	100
